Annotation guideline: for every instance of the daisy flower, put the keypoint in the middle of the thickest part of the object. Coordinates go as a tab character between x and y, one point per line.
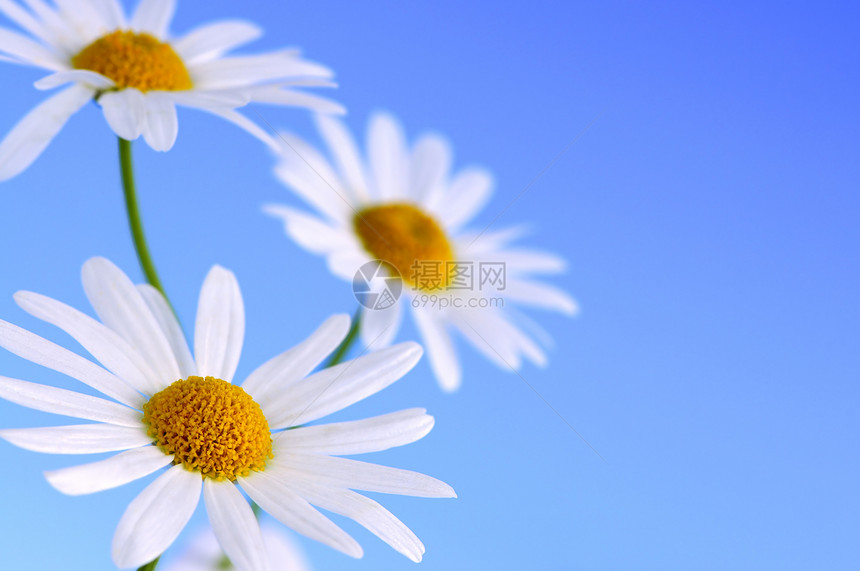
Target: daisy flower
204	554
138	73
404	207
172	410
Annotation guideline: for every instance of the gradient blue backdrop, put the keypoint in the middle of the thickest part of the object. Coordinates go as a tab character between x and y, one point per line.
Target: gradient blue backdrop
710	218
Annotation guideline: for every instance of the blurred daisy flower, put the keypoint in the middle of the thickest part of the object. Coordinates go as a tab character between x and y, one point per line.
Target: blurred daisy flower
203	553
404	207
138	74
171	409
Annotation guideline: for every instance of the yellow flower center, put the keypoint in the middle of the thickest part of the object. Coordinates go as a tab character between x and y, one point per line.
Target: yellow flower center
136	60
408	239
211	426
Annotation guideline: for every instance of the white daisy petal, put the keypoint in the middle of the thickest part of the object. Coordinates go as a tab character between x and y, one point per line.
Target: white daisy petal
235	525
111	473
353	474
284	548
62	34
91	79
468	193
125	112
170	326
120	306
440	349
540	295
366	512
112	13
26	141
220	327
346	263
490	342
84	19
521	261
386	151
289	508
324	194
48	15
430	164
517	339
345	154
200	553
153	16
488	243
293	98
67	403
244	123
304	82
203	553
338	387
26	50
210	41
239	71
161	125
43	352
155	518
308	231
358	436
380	326
279	372
311	176
498	339
102	342
17	14
207	100
78	438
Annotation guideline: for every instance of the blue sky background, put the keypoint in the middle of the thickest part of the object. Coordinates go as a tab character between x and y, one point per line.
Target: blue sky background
709	216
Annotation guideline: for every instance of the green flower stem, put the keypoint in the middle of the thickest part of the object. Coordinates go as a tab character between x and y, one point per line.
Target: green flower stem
347	342
149	566
223	564
134	221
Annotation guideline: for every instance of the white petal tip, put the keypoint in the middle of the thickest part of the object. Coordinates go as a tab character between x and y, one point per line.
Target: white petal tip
341	323
221	272
450	388
58	484
449	382
96	263
413	349
273	210
571	310
21	296
354	551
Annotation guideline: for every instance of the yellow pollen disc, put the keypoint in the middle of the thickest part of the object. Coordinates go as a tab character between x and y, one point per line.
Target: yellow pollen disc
211	426
409	240
136	60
